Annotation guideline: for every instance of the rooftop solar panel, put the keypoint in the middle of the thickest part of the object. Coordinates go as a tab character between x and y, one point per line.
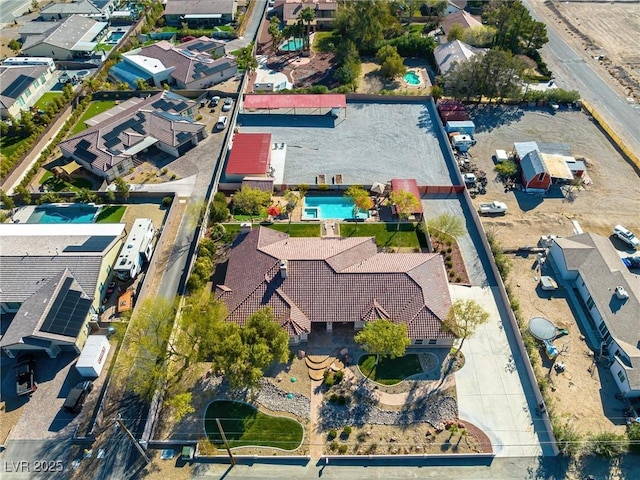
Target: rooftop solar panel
68	312
95	243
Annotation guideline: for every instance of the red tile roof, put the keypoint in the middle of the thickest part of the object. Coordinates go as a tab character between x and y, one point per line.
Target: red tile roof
340	280
250	154
273	101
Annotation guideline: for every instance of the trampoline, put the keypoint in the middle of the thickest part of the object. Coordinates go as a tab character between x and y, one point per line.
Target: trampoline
542	328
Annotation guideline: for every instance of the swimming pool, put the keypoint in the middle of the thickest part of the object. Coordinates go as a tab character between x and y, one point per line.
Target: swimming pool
329	207
292	45
412	78
114	37
66	213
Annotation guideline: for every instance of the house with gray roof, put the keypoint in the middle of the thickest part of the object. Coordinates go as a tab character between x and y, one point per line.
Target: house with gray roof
190	65
21	87
452	53
200	13
75	37
289	11
323	284
611	296
52	282
108	148
97	9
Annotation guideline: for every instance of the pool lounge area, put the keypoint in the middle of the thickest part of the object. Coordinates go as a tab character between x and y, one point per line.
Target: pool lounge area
57	213
329	207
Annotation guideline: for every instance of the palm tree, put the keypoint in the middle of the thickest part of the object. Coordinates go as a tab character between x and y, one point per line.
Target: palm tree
308	15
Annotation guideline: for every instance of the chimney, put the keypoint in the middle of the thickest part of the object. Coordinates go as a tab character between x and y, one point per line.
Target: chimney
283	268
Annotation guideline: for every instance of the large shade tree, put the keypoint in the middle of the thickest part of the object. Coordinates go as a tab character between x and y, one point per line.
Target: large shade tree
361	200
250	201
405	203
384	338
307	15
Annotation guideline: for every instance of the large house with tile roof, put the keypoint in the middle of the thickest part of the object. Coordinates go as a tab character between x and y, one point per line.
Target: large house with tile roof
52	281
197	64
322	284
109	147
200	13
289	11
592	266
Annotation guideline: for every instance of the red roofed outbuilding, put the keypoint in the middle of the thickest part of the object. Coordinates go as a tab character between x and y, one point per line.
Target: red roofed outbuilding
250	156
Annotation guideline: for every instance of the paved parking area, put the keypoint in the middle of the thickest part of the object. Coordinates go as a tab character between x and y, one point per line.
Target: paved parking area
374	142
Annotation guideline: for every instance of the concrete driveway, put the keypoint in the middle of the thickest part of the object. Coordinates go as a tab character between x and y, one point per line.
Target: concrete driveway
493	391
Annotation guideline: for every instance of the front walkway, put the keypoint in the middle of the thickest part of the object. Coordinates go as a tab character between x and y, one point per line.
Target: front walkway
492	386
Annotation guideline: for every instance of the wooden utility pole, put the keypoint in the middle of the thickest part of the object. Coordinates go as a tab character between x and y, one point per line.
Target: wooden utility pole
133	440
226	444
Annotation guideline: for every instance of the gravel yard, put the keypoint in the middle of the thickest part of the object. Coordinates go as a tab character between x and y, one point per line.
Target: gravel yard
612	198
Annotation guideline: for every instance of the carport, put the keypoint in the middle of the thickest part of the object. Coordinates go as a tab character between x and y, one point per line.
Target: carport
285	104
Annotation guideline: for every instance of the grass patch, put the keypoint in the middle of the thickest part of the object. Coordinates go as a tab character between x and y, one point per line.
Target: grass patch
111	214
59	185
8	145
389	371
103	46
386	234
298	229
94	109
45	99
170	29
325	41
244	425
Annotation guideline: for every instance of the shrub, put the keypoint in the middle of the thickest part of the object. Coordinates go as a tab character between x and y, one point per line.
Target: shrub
332	434
333	445
167	201
342	449
220	197
608	444
346	431
452	274
448	258
361	437
458	278
333	398
568	439
342	400
633	433
328	379
507	170
372	448
338	376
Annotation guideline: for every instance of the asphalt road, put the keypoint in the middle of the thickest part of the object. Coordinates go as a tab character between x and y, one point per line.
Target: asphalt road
8	7
572	72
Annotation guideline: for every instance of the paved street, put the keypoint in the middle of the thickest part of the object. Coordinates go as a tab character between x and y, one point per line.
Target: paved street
574	73
10	9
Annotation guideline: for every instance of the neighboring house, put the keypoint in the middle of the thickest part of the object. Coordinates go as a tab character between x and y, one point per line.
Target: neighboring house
72	38
185	66
460	17
452	53
454	6
108	148
326	284
250	156
53	280
200	13
289	10
543	164
97	9
593	268
21	87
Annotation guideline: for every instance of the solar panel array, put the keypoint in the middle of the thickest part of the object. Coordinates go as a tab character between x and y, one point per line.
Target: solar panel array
68	312
95	243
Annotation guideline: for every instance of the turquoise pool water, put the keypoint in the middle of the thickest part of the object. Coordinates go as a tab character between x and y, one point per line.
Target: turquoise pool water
292	45
75	213
412	78
329	208
114	37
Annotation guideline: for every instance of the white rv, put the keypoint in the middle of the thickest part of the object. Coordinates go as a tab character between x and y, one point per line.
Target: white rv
136	251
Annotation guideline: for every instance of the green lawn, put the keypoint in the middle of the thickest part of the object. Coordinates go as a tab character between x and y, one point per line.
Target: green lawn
111	214
244	425
325	41
94	109
387	234
60	185
45	99
8	145
103	46
298	229
388	371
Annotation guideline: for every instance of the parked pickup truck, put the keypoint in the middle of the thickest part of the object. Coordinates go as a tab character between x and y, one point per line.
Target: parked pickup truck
492	208
26	375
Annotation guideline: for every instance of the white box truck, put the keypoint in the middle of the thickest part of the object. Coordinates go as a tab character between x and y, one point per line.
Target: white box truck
94	356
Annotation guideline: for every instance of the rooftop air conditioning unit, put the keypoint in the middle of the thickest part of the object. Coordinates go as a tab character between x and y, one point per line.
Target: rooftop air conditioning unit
621	293
245	227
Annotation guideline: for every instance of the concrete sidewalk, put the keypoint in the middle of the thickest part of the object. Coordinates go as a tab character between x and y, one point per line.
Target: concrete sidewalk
491	394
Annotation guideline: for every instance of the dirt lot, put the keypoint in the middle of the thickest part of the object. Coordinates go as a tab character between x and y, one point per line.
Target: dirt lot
601	29
615	193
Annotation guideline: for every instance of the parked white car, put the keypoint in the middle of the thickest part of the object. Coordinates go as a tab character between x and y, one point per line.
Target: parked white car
626	236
